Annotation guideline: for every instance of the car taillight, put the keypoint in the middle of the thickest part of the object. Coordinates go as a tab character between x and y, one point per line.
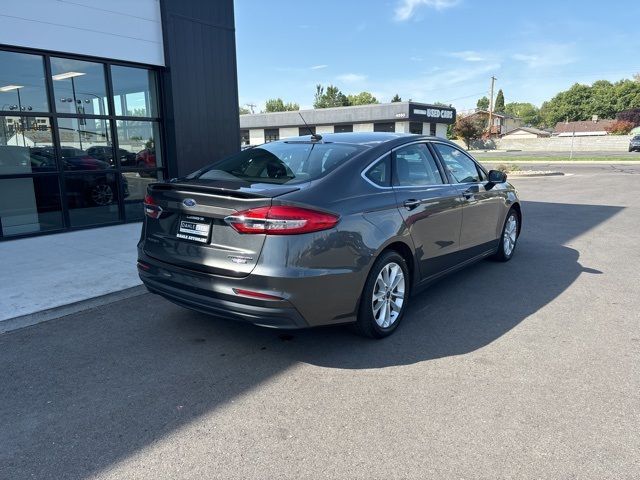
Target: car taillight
281	220
151	208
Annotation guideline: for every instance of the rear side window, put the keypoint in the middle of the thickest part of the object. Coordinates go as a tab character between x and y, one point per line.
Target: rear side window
281	162
461	168
380	172
414	166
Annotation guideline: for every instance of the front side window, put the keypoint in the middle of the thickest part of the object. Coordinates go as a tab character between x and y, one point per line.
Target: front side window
281	163
461	168
414	166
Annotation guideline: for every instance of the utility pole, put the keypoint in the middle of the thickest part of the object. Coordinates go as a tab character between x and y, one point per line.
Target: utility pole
251	106
493	81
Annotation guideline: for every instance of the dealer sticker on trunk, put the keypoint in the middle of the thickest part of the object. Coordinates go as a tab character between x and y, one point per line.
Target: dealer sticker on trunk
191	229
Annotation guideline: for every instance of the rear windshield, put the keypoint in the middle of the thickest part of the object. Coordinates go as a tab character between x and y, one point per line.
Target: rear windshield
282	162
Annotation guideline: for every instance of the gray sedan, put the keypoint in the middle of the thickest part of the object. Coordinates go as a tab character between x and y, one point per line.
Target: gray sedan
320	230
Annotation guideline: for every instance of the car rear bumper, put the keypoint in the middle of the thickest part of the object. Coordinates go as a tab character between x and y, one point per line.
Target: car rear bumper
301	306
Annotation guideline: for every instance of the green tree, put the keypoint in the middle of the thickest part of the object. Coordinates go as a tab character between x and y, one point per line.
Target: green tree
483	103
468	129
581	102
396	98
499	105
528	112
362	98
277	105
244	110
332	97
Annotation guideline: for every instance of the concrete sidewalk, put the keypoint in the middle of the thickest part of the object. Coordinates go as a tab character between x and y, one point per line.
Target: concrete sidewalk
42	273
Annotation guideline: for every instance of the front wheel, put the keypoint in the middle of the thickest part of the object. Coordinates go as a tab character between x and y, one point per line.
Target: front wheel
385	296
509	237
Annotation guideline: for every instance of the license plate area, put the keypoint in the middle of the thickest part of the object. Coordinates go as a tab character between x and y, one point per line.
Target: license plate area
194	228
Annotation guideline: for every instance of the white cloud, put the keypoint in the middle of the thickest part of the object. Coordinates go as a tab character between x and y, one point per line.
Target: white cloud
352	78
407	8
469	56
547	55
318	67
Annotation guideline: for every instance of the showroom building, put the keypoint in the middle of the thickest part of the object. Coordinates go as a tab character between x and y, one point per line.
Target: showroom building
98	101
401	117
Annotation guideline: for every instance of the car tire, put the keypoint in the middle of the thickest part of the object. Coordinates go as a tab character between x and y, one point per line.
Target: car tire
101	194
384	302
508	237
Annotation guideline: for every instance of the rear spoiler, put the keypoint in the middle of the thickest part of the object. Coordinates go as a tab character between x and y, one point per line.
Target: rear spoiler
241	192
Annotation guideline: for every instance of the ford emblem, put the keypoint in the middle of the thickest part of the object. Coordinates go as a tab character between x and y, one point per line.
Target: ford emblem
189	202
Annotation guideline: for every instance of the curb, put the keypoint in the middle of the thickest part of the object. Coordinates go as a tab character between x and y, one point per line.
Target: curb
42	316
493	161
528	175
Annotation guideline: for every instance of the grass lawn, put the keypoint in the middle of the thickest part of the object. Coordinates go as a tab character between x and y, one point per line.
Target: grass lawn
555	158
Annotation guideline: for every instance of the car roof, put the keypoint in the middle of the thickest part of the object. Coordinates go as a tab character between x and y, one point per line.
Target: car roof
370	139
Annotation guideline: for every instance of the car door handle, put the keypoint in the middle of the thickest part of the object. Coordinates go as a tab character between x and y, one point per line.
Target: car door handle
470	192
411	203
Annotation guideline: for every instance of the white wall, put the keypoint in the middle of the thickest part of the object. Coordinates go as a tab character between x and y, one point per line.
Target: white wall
256	136
441	130
402	127
286	132
363	127
119	29
320	129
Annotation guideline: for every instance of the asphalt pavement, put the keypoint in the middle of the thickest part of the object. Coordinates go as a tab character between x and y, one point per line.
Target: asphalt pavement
529	369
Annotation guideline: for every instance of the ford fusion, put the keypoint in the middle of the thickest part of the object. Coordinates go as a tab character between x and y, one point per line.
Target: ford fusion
320	230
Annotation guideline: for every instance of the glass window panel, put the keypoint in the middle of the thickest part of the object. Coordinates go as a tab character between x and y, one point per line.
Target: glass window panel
414	166
30	205
26	145
92	198
79	87
134	91
461	167
135	189
384	127
22	84
139	143
85	144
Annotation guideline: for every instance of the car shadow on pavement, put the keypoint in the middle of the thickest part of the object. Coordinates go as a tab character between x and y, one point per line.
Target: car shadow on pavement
88	391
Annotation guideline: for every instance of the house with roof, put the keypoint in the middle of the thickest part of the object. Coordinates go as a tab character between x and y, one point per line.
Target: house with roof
526	132
583	128
501	123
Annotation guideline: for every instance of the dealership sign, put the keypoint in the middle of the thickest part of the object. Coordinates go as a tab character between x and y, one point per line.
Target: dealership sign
438	114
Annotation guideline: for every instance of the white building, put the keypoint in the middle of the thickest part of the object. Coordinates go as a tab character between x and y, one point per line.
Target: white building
404	117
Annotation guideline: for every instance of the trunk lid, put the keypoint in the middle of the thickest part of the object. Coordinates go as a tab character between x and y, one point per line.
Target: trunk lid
191	231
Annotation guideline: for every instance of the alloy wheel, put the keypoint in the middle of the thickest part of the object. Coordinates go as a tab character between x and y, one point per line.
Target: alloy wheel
102	194
510	235
388	295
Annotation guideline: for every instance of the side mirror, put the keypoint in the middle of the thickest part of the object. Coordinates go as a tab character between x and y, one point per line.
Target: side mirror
496	176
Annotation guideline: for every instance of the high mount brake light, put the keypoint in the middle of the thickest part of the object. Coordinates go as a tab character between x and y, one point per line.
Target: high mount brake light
281	220
151	208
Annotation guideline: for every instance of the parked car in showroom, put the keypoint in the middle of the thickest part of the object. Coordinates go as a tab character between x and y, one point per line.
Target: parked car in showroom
634	144
97	186
319	230
105	153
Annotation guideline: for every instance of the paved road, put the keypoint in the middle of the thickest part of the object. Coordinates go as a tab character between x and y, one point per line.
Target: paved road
529	369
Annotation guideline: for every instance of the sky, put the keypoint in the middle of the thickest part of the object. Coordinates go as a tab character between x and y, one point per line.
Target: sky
432	50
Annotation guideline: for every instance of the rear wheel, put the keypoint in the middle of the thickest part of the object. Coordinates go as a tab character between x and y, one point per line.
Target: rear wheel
509	237
385	296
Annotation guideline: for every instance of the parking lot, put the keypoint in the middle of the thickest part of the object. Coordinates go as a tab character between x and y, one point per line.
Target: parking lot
529	369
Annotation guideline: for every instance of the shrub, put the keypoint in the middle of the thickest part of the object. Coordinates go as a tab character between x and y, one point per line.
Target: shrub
620	127
632	116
